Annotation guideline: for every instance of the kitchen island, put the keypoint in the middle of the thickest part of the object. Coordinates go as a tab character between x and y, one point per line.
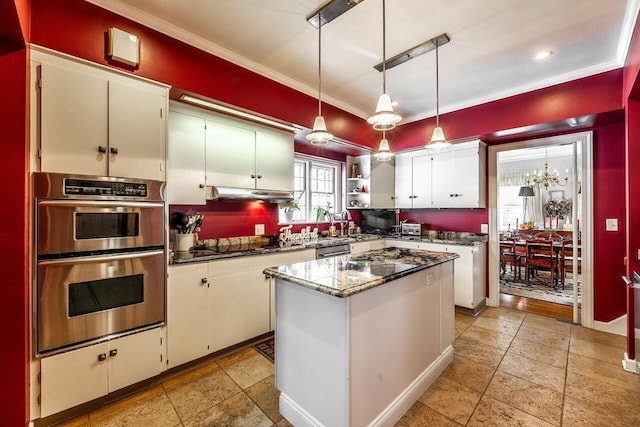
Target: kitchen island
360	338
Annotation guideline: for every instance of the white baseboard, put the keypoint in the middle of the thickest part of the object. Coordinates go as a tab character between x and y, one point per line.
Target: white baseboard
298	416
630	365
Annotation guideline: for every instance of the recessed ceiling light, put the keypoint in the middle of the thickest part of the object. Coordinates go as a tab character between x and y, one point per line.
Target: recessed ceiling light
542	55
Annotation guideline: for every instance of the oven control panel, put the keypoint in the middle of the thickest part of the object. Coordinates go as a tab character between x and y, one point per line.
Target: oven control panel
85	187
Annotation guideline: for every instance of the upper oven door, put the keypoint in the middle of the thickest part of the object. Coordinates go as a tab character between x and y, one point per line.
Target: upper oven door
71	226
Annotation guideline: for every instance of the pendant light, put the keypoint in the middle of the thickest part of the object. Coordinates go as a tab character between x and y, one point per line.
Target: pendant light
384	153
319	135
438	140
384	118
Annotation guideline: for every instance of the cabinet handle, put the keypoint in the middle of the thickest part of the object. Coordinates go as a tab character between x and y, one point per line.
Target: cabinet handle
201	186
102	357
393	197
259	176
113	353
102	149
253	176
204	281
113	150
415	197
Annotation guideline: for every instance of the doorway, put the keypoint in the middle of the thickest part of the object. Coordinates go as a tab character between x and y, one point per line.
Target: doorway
511	213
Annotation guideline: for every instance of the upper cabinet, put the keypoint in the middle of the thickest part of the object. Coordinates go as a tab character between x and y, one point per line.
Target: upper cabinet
207	149
454	178
97	122
372	186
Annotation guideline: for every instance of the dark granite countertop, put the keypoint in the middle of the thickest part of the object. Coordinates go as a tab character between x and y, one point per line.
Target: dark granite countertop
447	238
343	276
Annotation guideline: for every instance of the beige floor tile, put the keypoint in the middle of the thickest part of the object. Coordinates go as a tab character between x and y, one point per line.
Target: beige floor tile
604	398
504	314
478	352
581	414
600	337
541	336
540	352
487	337
451	399
548	324
146	408
608	373
491	412
199	389
237	411
536	372
498	325
247	367
266	397
81	421
471	374
464	318
284	423
460	327
420	415
596	351
526	396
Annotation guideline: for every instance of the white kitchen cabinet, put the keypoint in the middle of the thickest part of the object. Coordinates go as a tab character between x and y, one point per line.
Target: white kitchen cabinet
469	269
246	155
78	376
369	245
187	308
376	177
186	160
97	122
458	178
412	181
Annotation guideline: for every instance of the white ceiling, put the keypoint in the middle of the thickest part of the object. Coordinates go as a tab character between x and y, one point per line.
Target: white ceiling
489	56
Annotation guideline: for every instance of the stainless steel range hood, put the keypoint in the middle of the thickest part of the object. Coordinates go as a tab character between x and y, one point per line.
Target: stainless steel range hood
232	193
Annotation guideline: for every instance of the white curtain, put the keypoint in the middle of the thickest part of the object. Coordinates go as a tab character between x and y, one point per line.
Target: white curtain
533	204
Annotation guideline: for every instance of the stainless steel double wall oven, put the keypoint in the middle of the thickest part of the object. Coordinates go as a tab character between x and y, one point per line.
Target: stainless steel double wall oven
100	246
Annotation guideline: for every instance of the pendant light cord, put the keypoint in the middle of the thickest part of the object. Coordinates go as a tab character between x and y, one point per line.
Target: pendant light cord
384	49
319	66
437	87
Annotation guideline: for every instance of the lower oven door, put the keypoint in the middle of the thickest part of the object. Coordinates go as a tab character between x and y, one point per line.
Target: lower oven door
84	298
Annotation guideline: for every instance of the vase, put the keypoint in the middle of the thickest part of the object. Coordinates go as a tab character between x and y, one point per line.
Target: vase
184	242
288	216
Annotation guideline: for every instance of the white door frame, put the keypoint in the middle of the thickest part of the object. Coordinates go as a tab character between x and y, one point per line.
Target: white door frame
586	162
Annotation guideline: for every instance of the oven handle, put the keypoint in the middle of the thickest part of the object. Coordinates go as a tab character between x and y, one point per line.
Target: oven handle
97	258
100	203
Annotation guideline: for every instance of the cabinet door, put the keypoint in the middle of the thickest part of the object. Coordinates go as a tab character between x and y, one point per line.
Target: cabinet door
230	155
442	179
135	358
404	182
239	308
274	160
71	378
382	184
73	122
466	185
187	290
422	182
186	160
136	131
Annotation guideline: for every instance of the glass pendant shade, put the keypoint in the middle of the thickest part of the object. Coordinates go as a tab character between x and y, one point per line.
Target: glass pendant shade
438	140
384	118
319	135
384	153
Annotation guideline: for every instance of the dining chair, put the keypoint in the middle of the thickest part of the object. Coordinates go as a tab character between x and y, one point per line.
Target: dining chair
548	235
566	259
541	256
509	256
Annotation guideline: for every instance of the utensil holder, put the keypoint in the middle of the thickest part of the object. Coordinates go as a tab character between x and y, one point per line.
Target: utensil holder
184	242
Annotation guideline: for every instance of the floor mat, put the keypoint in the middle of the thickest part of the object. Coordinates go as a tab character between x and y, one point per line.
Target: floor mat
267	348
539	288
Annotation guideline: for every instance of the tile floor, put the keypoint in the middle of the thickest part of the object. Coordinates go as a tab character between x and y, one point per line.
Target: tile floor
509	368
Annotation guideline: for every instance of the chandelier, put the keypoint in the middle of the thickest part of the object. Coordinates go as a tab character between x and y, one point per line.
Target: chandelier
545	178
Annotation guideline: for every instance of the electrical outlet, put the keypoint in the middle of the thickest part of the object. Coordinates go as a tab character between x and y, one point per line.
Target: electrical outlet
259	229
484	228
611	224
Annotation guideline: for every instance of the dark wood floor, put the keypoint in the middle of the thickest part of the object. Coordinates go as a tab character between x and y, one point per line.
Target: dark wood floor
534	306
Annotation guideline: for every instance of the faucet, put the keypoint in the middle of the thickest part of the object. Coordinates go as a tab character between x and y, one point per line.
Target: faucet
345	216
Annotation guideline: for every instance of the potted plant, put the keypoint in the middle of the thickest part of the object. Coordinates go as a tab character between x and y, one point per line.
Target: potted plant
289	209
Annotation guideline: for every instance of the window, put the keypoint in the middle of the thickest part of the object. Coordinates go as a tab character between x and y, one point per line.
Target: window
316	184
510	212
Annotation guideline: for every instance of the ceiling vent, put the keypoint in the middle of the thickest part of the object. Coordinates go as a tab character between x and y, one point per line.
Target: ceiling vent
415	51
330	11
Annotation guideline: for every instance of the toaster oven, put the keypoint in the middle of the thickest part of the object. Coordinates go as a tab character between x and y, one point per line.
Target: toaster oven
411	229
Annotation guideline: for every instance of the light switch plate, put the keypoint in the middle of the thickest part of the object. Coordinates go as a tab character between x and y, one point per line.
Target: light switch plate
259	229
484	228
612	224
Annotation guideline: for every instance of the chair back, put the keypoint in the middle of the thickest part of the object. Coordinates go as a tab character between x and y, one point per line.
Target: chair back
540	252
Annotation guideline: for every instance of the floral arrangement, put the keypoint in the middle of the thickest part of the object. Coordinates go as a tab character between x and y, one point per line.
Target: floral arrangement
293	206
559	208
187	224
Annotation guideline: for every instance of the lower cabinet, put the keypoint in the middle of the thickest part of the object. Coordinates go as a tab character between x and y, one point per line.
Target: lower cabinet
469	269
370	245
78	376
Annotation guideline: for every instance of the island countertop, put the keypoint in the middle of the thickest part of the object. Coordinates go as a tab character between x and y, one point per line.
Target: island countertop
343	276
